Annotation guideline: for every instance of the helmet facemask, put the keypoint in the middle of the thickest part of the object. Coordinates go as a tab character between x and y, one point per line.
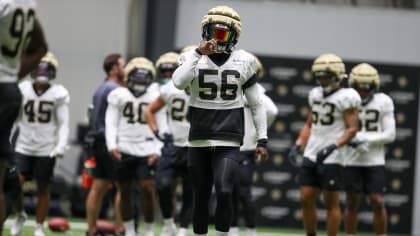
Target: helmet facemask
165	71
224	36
43	73
365	90
321	76
138	81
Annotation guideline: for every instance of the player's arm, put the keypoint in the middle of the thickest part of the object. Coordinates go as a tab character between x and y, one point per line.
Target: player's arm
305	132
63	114
36	49
151	109
387	135
112	117
270	108
351	122
184	74
259	118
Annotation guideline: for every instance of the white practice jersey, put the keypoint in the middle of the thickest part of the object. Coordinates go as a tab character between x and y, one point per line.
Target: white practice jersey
250	138
216	102
377	127
328	121
177	108
126	128
163	119
41	118
17	19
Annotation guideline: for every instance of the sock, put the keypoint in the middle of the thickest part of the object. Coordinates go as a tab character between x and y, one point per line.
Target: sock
168	222
219	233
38	226
148	227
129	226
182	230
251	231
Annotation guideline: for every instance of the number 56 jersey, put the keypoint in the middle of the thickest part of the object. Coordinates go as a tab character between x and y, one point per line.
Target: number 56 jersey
328	121
39	117
216	101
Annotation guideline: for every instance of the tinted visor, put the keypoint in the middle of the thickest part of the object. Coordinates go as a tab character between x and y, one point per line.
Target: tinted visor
44	69
220	33
323	74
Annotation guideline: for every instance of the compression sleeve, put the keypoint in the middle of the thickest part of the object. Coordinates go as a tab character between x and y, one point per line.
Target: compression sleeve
258	111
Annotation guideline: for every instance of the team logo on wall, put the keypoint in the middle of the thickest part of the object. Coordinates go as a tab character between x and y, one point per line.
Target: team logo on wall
278	160
282	90
396	184
402	81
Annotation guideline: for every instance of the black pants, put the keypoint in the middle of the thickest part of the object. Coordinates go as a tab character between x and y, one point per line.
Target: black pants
208	166
242	191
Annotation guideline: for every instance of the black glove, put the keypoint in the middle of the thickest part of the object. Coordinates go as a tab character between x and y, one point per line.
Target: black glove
294	155
324	153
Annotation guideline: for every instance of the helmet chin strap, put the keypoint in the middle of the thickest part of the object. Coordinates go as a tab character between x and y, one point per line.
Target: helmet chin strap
42	80
369	98
329	88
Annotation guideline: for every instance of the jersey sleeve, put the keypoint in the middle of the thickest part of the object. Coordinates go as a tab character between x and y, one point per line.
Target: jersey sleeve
351	99
62	96
387	104
164	92
249	70
114	97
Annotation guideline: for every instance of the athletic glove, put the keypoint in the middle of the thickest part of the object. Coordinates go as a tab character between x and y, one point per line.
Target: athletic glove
294	155
325	152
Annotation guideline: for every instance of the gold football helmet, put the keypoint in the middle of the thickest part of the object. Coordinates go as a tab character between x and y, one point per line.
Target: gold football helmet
223	24
46	69
364	74
139	74
330	66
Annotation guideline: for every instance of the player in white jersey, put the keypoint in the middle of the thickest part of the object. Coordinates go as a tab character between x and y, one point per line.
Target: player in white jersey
242	190
218	76
43	126
365	166
331	124
173	162
22	45
132	143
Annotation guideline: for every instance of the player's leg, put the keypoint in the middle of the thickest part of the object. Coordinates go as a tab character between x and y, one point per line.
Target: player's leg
11	100
147	183
125	170
119	227
199	165
353	185
224	166
103	173
165	175
2	198
375	188
187	200
44	170
234	229
331	184
26	167
248	203
309	189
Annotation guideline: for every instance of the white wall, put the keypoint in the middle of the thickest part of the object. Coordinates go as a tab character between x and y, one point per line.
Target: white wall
307	30
81	33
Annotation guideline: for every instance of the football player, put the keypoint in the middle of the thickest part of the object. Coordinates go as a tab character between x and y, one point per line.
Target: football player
217	75
331	124
173	162
132	143
43	133
242	191
19	55
365	168
104	172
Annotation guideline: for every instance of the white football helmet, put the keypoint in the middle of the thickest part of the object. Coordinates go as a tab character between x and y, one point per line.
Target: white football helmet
139	74
364	74
331	66
46	69
223	24
166	65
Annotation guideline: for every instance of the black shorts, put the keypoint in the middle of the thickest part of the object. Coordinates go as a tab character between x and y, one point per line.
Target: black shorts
173	162
133	167
245	173
369	179
33	167
327	177
10	102
11	185
104	168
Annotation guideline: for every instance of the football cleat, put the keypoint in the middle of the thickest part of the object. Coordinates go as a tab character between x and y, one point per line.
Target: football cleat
18	224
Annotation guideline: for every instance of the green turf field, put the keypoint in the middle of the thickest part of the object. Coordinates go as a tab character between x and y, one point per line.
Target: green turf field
77	228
